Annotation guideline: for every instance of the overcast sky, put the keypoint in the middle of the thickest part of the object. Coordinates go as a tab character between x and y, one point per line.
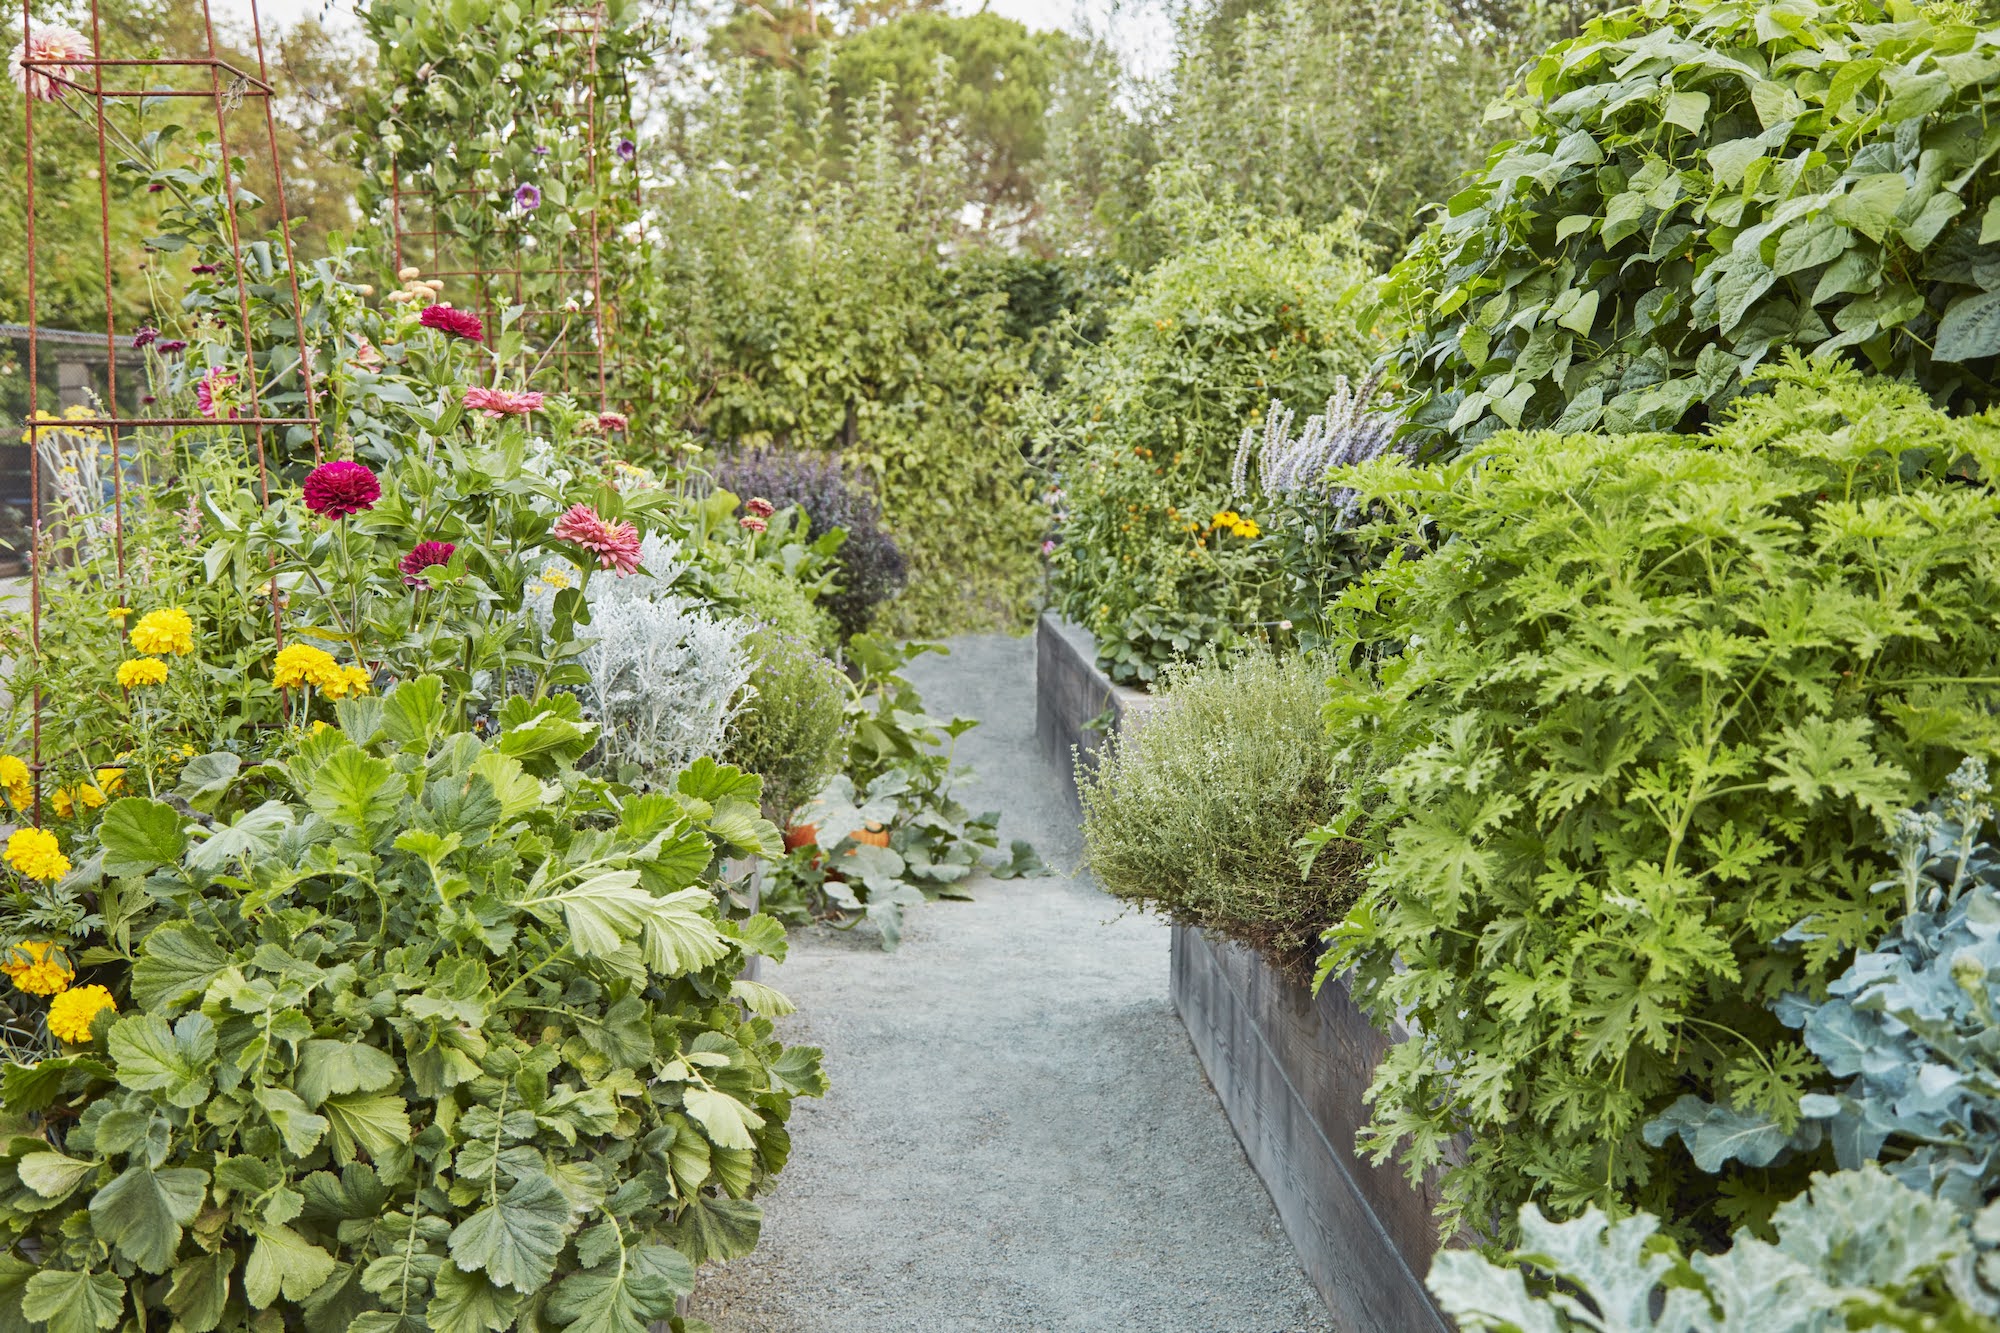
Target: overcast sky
1139	29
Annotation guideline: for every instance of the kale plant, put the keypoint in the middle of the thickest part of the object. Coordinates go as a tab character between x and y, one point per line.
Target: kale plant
1908	1028
1859	1251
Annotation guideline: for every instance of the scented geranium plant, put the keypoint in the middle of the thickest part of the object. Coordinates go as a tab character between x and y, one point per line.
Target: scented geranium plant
414	1031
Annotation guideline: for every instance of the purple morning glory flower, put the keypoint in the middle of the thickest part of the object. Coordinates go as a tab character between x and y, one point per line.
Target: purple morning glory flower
528	198
626	150
541	151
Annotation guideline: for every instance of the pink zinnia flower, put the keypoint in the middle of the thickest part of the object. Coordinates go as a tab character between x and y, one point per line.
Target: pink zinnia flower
335	490
616	545
63	48
752	522
367	356
211	392
454	322
423	556
760	507
610	421
501	402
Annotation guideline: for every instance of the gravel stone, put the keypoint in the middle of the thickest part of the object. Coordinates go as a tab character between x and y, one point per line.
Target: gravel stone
1018	1137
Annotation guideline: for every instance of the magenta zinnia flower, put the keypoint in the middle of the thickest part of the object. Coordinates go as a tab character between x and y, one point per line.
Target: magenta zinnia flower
528	198
335	490
423	556
501	402
211	392
455	322
145	336
62	49
609	421
173	347
616	545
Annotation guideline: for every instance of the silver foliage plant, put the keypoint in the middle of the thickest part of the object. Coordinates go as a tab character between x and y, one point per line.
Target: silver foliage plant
1353	429
663	670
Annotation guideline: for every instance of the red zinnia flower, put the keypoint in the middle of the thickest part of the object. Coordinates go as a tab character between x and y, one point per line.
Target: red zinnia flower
616	545
760	507
423	556
501	402
610	421
335	490
455	322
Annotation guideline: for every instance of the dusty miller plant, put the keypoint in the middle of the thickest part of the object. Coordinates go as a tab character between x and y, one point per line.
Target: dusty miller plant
662	670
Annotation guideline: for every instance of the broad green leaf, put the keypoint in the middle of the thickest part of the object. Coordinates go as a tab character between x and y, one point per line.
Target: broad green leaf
52	1175
1871	203
516	1238
355	790
610	909
727	1121
625	1294
152	1057
284	1263
1970	328
1817	758
200	1291
469	1303
175	966
327	1068
140	835
72	1302
206	778
712	1229
300	1128
762	1000
373	1122
141	1213
414	712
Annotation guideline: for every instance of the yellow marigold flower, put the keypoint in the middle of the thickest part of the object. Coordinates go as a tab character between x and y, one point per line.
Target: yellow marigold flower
70	1013
168	631
138	672
342	681
34	852
110	779
35	969
64	803
118	613
15	780
90	797
302	664
320	725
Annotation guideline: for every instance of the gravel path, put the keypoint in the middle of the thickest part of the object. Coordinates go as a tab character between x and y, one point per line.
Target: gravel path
1019	1136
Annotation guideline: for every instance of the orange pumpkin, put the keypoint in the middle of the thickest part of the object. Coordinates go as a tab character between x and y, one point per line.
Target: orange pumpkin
801	835
874	835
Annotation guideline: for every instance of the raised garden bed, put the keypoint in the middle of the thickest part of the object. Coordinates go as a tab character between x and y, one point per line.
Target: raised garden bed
1289	1067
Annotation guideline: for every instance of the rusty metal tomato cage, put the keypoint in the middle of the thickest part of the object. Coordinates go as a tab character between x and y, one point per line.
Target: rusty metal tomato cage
574	342
99	81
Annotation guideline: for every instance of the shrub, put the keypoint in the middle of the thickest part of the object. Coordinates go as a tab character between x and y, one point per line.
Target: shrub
1860	1251
421	1032
790	726
1197	813
872	569
1645	708
772	599
1143	432
1699	185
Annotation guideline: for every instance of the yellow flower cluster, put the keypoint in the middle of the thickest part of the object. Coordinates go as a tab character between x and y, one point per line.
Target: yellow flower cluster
35	853
1231	521
75	412
168	631
556	576
138	672
302	664
15	781
36	968
71	1012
